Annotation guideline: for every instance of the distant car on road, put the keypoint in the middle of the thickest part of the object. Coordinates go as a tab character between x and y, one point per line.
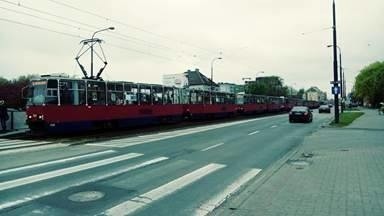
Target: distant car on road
300	114
324	109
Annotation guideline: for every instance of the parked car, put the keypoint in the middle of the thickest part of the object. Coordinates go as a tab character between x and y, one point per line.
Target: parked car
324	109
300	114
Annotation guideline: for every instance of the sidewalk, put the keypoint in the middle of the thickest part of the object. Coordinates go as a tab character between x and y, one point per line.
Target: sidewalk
337	171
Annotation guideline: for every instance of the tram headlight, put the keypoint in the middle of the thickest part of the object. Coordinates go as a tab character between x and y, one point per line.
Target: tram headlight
41	117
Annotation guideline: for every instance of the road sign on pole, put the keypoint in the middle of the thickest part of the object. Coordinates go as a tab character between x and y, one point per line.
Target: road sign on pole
335	90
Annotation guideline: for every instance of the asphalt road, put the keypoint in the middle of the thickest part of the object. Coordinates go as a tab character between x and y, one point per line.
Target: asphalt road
182	172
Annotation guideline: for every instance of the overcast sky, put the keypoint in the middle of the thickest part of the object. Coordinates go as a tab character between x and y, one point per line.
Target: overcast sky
287	38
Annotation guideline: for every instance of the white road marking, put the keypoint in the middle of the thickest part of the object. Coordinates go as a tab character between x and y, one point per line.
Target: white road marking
211	147
141	201
273	126
23	145
216	201
142	139
27	198
255	132
16	142
64	171
35	148
56	161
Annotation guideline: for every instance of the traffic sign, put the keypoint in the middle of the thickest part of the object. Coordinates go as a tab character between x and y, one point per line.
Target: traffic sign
335	90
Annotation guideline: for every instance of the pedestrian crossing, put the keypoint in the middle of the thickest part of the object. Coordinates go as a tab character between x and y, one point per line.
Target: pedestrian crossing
154	177
6	144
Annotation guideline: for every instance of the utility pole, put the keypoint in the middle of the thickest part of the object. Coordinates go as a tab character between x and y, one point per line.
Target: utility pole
335	78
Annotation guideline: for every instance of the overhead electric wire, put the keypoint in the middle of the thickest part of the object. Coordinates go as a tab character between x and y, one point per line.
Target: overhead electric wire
47	13
126	37
39	27
127	25
41	18
129	38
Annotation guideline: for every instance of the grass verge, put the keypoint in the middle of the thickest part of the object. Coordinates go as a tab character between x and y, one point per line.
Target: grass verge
347	118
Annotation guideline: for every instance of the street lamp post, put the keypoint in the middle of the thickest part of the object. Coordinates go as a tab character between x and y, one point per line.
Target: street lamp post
93	40
245	84
335	85
210	89
341	76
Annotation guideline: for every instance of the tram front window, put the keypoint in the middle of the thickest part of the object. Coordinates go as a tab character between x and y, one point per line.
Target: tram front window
36	93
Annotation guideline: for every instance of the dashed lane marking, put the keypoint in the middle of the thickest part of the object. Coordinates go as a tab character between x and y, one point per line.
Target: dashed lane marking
145	199
274	126
56	161
211	147
255	132
142	139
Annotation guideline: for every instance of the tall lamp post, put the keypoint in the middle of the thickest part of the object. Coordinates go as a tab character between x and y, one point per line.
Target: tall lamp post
93	41
341	76
245	84
210	89
335	79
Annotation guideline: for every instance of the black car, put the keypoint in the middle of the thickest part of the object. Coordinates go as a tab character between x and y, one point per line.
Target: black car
300	114
324	109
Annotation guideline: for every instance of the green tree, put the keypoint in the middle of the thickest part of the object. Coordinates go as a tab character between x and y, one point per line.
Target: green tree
369	84
272	85
10	90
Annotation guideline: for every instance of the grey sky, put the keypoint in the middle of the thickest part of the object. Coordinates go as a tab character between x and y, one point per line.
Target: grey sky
172	36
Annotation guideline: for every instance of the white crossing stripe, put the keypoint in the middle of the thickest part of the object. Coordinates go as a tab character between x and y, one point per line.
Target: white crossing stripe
27	198
56	161
16	142
211	147
141	201
64	171
23	145
255	132
216	201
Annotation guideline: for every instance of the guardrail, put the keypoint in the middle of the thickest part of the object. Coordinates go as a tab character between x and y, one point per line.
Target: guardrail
17	120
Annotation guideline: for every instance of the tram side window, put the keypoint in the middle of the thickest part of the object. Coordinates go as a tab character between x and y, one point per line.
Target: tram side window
130	94
157	94
96	93
168	96
72	92
51	96
115	93
145	94
185	96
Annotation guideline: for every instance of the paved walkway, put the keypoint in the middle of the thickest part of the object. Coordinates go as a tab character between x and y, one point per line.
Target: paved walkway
337	171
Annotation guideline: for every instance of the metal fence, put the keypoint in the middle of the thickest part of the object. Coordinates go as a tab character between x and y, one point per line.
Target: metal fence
16	120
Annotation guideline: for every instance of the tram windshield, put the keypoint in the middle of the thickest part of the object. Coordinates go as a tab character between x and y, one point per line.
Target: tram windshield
36	93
